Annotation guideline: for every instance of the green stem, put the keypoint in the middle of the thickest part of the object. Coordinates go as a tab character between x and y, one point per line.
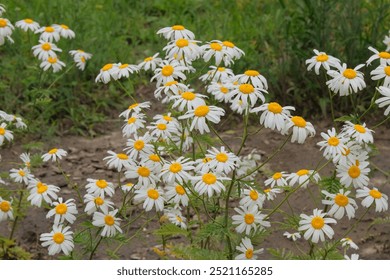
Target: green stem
371	104
69	181
21	193
95	248
219	137
60	76
382	122
127	92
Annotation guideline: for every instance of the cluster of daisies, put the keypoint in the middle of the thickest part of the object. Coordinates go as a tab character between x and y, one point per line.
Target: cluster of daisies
46	51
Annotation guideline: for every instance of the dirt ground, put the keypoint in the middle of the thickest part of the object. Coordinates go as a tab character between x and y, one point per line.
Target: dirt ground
85	160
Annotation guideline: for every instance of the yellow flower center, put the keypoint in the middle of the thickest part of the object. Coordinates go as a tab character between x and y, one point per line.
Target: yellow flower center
122	66
322	57
277	176
153	194
254	195
41	188
275	108
207	159
249	218
46	47
154	157
49	29
209	178
346	152
302	172
359	128
168	84
2	131
202	111
132	106
64	26
162	126
178	27
249	253
384	55
252	73
341	200
101	184
99	201
3	22
61	208
139	145
354	171
349	73
387	70
179	219
187	95
267	190
180	190
222	157
58	237
216	46
224	90
52	60
122	156
53	151
221	69
298	121
131	120
228	44
82	58
246	88
109	220
21	173
181	43
143	171
150	58
107	67
5	206
333	141
317	222
375	194
28	20
175	167
167	70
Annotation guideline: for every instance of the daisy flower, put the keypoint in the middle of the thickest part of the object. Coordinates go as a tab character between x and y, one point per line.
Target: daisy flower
177	170
384	57
209	183
162	130
351	153
176	194
248	94
355	174
5	133
54	154
21	175
183	48
48	34
128	187
348	242
63	211
6	28
354	257
64	31
106	73
40	191
360	133
381	72
176	218
140	146
108	222
278	179
321	59
246	249
169	71
118	161
202	165
215	49
273	115
100	187
371	196
202	113
233	51
222	160
151	197
168	120
316	225
2	9
45	50
80	53
27	24
221	92
385	41
176	32
59	239
150	62
218	74
346	80
95	202
136	108
340	204
382	102
124	70
252	77
248	219
303	177
133	124
301	129
169	89
154	161
187	100
293	236
252	197
270	193
333	145
6	211
144	173
52	62
25	157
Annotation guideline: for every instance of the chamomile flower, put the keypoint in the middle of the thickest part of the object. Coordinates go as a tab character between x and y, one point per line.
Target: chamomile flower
140	146
154	161
316	226
348	242
176	218
215	49
354	257
118	161
177	194
354	174
233	51
187	100
106	73
45	50
359	132
5	133
169	71
273	115
21	175
124	70
52	62
248	94
27	24
218	74
150	62
340	204
222	160
100	187
162	130
293	236
301	129
381	72
128	187
386	41
152	197
168	119
169	89
247	251
63	211
202	165
6	29
278	179
80	53
64	31
249	219
183	48
108	221
54	154
252	197
351	153
302	177
221	92
135	122
143	172
252	77
6	211
382	102
321	59
59	239
48	34
177	170
25	157
94	202
384	57
202	113
2	9
333	145
136	108
209	183
40	191
176	32
371	196
346	81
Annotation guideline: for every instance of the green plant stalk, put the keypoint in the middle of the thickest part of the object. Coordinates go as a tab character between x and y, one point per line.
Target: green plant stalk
127	92
371	103
331	100
380	123
69	181
95	248
220	138
21	193
60	76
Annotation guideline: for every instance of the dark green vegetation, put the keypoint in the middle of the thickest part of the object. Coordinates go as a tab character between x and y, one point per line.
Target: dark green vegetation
277	37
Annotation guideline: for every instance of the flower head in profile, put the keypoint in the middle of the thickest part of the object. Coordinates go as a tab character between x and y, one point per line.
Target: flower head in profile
218	74
175	217
100	187
150	62
302	177
252	77
48	34
136	108
321	59
124	70
247	251
348	242
381	72
52	62
41	192
6	211
373	195
346	81
5	134
214	49
27	24
176	32
301	129
118	161
80	57
177	194
64	31
293	236
107	72
384	57
59	239
384	100
54	154
108	221
278	179
233	51
202	113
359	132
273	115
316	226
6	29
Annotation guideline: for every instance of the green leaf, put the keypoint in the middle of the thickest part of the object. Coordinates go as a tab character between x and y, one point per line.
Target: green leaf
170	229
195	253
